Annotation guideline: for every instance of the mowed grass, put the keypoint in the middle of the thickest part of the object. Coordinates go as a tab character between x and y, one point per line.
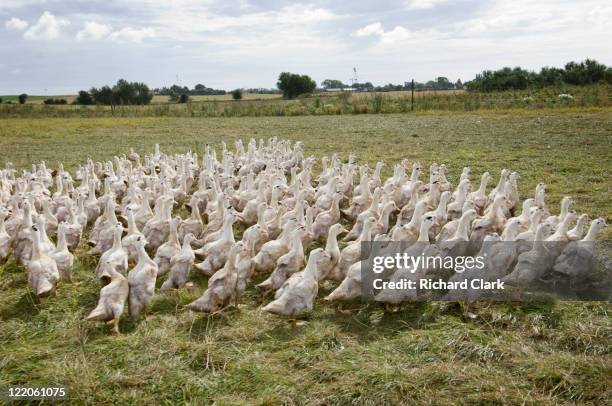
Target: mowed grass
426	353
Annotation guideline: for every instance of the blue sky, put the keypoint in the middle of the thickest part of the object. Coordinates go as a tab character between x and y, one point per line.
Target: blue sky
66	45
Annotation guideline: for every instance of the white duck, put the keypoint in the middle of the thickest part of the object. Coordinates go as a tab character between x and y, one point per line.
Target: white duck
43	274
577	258
112	299
5	238
180	265
142	282
130	241
216	252
287	264
221	290
168	249
63	258
116	257
327	263
297	295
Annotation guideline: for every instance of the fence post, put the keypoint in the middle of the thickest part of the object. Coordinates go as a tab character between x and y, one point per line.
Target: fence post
412	96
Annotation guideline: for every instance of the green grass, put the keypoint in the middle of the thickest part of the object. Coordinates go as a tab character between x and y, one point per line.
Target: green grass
548	353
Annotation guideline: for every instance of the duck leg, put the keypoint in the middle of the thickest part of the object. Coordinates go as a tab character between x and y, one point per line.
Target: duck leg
115	330
340	310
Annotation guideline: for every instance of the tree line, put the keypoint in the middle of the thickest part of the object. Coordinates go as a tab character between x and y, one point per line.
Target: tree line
440	83
292	85
175	91
573	73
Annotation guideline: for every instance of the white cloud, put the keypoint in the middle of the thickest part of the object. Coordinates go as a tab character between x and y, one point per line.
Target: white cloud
16	24
129	34
370	29
93	31
397	34
423	4
46	28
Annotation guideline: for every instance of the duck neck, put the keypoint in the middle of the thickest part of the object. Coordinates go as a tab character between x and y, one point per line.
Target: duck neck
384	217
195	211
424	232
186	245
579	227
332	241
37	251
510	234
563	226
298	248
591	235
61	239
366	233
483	186
117	240
502	182
415	221
173	236
261	218
441	210
132	228
462	229
228	231
311	267
538	240
143	257
564	210
335	207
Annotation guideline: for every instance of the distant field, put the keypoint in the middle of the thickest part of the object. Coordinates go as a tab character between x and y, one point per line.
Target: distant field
593	96
36	99
245	96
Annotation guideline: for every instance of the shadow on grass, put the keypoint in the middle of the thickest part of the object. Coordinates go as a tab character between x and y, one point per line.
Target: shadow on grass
24	309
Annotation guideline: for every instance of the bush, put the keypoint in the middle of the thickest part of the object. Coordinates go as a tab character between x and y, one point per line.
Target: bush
84	98
22	98
292	84
123	93
237	94
55	101
184	98
0	100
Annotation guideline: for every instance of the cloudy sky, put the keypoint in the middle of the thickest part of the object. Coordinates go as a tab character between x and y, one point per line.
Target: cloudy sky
66	45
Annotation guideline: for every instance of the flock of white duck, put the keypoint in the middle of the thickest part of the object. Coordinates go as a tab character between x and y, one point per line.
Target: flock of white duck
128	209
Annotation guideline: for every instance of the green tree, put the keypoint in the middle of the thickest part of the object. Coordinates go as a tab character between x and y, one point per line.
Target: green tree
584	73
549	76
183	98
22	98
84	98
237	94
103	95
333	84
293	85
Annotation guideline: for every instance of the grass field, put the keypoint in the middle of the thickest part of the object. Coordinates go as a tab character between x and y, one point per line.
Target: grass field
592	96
427	353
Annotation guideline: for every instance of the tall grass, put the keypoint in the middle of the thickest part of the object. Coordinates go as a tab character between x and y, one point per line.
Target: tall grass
599	95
